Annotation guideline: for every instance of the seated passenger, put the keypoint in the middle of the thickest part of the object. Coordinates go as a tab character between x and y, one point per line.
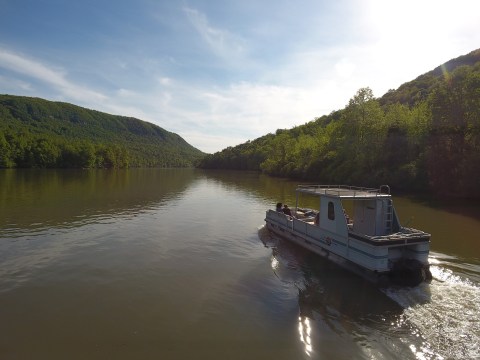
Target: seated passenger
279	207
286	210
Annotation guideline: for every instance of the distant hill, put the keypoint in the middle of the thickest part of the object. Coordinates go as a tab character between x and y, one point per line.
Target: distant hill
38	133
423	136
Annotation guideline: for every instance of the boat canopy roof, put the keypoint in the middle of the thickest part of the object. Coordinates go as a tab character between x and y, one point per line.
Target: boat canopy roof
345	191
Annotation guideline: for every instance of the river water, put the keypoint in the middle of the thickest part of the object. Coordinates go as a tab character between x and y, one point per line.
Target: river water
176	264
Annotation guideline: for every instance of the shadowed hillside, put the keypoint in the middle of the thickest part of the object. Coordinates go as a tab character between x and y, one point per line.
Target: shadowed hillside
40	133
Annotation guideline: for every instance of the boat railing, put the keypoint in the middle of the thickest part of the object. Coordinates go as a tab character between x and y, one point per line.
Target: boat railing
345	190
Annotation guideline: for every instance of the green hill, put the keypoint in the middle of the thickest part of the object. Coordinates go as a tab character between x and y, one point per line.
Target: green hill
40	133
424	136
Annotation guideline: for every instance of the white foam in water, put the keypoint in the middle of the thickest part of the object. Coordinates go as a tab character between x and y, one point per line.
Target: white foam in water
445	313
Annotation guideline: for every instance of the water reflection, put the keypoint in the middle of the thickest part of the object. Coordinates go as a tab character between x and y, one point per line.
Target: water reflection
304	330
254	183
45	216
33	200
167	264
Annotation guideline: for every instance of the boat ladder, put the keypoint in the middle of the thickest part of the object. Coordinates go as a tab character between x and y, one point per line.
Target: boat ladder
389	217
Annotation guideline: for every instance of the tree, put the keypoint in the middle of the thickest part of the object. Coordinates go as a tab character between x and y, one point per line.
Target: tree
454	144
46	153
363	130
6	160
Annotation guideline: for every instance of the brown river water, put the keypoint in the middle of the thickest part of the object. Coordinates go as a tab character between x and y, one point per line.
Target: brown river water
176	264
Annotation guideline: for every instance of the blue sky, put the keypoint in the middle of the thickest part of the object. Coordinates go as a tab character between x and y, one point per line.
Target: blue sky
219	73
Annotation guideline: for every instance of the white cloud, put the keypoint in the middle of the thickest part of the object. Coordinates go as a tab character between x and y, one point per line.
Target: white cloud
124	93
345	68
56	77
165	81
14	85
211	143
222	42
229	115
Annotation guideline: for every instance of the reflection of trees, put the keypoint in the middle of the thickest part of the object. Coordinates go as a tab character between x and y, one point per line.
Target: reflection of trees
262	186
275	190
61	197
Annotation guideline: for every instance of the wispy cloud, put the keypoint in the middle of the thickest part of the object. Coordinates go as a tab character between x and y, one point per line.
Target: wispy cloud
231	114
14	85
55	77
222	42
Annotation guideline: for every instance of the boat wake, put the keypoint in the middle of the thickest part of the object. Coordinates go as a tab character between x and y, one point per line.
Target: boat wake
436	320
445	312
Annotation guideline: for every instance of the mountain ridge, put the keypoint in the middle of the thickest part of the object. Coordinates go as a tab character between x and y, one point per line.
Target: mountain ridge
58	123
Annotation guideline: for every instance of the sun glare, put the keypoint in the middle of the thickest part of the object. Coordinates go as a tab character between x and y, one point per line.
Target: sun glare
416	21
412	37
409	20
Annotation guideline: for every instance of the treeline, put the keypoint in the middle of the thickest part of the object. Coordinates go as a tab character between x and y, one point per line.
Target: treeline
23	150
36	133
429	144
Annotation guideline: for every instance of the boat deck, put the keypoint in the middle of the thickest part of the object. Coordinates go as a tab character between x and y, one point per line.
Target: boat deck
404	236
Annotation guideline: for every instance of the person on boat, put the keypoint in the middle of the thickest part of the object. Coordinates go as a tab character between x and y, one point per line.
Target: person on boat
286	210
347	218
279	207
317	218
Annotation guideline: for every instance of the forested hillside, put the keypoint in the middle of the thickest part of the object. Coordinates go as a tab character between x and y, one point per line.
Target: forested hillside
423	136
40	133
